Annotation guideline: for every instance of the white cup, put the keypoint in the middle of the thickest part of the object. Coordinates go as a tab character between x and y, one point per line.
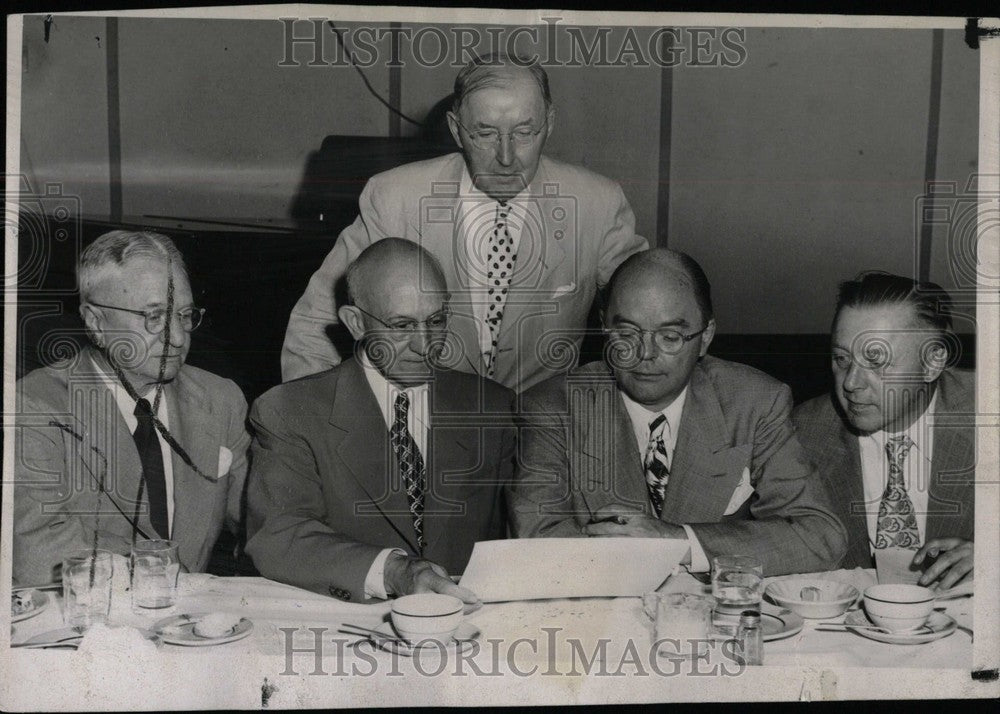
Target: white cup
427	616
899	607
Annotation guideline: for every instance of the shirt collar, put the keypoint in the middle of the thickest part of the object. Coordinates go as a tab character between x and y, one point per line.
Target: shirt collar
124	400
469	191
384	390
641	416
919	431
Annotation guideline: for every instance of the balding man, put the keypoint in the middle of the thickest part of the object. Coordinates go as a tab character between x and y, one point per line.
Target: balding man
665	441
124	441
375	478
524	240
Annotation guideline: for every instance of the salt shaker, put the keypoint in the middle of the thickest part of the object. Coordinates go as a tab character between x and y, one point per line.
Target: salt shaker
750	637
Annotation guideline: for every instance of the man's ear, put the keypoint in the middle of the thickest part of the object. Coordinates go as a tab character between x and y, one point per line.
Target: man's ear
934	359
92	319
454	128
353	319
706	337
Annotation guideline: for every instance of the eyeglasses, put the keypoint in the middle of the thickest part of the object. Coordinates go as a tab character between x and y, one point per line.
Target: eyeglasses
666	340
409	326
487	139
156	320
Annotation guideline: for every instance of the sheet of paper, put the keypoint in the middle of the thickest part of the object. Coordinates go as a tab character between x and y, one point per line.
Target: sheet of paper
893	566
540	568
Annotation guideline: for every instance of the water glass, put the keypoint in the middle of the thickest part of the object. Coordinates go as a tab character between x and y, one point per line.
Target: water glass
682	623
155	567
737	584
86	579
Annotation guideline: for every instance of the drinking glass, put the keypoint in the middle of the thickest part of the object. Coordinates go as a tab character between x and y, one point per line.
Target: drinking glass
682	622
155	567
86	579
738	585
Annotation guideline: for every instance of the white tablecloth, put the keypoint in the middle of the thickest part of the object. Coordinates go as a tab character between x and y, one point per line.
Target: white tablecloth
530	652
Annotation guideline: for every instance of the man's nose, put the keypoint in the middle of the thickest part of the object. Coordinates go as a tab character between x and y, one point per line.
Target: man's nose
647	347
178	335
421	339
853	378
505	150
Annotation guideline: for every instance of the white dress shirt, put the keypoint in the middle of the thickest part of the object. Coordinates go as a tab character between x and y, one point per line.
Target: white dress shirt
418	424
126	405
916	471
477	215
640	418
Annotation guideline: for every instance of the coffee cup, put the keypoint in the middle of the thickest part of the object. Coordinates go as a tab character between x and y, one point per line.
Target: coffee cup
427	616
899	607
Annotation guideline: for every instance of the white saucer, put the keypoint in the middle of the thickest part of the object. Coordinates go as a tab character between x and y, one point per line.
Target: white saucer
184	634
776	623
938	625
39	601
461	641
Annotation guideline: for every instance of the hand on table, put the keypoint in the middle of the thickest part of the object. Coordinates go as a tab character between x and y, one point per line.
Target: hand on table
405	575
956	560
616	520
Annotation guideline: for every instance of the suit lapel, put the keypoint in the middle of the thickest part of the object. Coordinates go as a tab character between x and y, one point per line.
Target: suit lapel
705	469
954	458
611	466
198	433
846	490
361	441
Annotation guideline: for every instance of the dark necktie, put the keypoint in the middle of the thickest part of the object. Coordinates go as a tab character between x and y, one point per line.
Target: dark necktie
499	270
657	464
897	524
151	457
411	465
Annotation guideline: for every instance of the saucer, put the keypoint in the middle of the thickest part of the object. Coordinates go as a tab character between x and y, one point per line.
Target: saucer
776	623
179	630
39	601
938	625
461	640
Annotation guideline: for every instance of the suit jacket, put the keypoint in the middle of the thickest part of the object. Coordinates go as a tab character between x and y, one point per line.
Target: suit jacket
833	447
579	454
579	229
57	471
326	496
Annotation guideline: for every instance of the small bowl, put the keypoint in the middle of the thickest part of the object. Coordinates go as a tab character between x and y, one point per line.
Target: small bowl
831	598
898	607
427	616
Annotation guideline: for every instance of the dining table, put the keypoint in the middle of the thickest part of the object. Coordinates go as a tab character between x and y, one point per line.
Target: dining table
292	654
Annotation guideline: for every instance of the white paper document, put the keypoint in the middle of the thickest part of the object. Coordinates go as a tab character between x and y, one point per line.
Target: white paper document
540	568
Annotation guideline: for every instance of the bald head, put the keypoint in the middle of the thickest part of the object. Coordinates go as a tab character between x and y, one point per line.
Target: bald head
392	262
659	268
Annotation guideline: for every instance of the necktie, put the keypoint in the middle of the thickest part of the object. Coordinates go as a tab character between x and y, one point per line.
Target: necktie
411	465
657	464
151	458
897	525
499	269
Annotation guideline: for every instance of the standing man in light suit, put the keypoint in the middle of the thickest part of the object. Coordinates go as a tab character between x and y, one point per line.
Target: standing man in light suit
125	441
895	440
524	240
662	440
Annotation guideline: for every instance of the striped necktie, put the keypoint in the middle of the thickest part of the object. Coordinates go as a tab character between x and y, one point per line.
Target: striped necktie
657	463
411	465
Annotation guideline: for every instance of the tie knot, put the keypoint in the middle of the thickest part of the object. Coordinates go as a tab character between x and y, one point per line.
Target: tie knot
143	409
657	424
402	403
897	447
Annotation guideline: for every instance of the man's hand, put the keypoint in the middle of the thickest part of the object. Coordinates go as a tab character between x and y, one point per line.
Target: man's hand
956	560
615	520
405	575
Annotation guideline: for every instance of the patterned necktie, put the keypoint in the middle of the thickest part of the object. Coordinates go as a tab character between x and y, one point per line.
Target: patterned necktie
897	525
499	269
657	464
411	465
151	458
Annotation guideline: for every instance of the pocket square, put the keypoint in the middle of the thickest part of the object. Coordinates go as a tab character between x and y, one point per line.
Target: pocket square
740	494
225	461
564	289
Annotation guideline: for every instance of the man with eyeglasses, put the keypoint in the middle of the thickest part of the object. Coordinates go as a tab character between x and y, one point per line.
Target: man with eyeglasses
376	478
524	240
123	441
662	440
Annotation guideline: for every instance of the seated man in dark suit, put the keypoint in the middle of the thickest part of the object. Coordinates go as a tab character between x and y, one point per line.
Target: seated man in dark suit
664	441
375	478
124	441
894	442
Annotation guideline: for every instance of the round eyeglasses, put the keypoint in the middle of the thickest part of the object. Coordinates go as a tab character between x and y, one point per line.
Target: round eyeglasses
666	340
156	320
489	139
